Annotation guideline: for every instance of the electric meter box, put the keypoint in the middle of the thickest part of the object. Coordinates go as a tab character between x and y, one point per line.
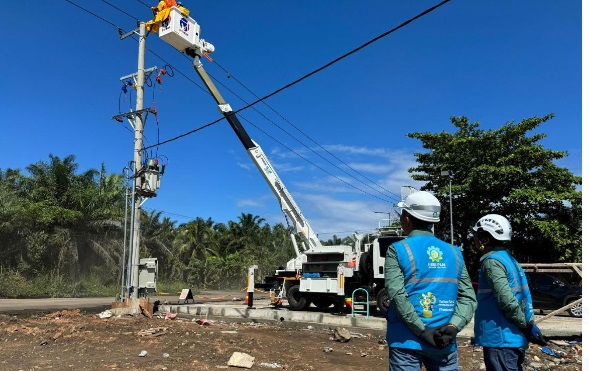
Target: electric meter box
147	275
179	30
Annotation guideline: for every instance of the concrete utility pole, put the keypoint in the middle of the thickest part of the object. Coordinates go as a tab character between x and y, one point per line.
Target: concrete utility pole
145	181
137	159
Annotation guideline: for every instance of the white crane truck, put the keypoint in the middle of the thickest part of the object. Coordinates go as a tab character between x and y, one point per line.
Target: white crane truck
312	275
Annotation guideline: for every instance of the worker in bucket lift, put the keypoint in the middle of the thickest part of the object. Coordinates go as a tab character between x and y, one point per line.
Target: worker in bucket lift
504	319
183	10
430	292
161	12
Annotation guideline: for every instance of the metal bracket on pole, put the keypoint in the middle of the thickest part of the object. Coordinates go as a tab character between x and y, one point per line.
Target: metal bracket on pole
146	72
134	75
131	114
143	201
124	36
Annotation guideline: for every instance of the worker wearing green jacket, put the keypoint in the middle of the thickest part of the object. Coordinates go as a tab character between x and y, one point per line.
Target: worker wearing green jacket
504	319
430	292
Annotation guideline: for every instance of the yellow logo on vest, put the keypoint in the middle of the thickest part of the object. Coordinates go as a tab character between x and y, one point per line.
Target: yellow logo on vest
427	303
435	255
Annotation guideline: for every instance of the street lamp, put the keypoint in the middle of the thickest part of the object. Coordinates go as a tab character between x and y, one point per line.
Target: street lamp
384	212
449	175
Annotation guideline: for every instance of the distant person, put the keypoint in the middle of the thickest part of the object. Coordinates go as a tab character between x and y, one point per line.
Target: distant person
430	292
504	319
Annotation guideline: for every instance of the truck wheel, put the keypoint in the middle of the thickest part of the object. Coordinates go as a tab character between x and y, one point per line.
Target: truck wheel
322	303
382	301
296	301
366	265
577	310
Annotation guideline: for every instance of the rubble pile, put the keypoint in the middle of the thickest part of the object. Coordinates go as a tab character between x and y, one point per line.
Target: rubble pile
556	355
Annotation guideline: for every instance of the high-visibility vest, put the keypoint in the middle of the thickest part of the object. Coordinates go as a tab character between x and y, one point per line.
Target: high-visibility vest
491	328
432	269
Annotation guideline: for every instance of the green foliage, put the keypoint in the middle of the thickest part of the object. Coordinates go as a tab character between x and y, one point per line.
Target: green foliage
14	284
62	235
505	171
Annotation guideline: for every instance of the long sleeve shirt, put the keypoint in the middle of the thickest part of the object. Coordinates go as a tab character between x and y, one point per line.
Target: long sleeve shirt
496	276
395	284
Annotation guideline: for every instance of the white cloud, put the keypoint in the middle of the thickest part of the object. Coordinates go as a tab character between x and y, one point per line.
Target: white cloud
331	205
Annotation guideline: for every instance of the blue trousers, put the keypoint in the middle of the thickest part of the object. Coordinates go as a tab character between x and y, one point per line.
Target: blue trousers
503	359
401	359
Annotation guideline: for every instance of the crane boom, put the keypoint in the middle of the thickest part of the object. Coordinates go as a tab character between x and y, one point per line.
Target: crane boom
319	274
310	241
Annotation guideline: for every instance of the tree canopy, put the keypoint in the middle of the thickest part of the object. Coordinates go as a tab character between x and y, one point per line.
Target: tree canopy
504	171
66	225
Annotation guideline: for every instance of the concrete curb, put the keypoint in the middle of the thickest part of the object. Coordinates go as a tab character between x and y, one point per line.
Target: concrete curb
552	327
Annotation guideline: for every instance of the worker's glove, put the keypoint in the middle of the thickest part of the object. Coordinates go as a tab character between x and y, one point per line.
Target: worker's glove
447	336
533	334
430	334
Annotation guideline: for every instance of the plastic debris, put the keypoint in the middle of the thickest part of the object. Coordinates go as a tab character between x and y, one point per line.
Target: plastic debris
106	314
550	352
143	353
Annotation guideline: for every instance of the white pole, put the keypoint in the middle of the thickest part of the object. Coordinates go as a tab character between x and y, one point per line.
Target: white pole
137	158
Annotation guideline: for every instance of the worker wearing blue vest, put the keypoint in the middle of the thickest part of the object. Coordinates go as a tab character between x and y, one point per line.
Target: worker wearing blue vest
504	319
430	291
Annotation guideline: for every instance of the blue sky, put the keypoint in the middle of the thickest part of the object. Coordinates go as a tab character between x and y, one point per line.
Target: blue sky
492	61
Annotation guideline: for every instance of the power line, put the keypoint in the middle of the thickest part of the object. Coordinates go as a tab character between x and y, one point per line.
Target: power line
94	14
310	74
317	166
303	144
324	66
311	139
347	54
147	5
274	93
119	9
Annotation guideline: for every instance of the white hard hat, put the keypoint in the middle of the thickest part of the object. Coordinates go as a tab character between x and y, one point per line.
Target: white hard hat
498	226
423	206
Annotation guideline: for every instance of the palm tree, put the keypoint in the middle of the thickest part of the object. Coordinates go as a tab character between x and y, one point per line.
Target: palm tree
81	215
195	241
157	237
244	234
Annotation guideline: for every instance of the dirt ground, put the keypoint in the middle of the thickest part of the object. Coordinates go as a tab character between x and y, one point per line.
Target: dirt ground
74	340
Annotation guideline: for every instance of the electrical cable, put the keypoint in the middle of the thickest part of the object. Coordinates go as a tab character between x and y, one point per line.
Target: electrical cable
320	68
317	166
345	55
307	136
275	92
306	146
119	9
94	14
147	5
261	99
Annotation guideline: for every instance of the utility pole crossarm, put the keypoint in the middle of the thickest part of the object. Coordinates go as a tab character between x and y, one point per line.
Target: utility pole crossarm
131	115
